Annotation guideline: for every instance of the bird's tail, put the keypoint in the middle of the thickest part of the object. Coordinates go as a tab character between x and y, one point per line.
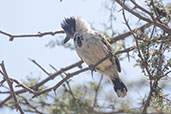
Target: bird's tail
119	87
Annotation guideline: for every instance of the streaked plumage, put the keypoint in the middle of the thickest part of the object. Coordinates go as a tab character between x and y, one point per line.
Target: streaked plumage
92	47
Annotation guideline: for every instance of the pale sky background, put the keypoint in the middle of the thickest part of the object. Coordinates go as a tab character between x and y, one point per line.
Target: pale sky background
32	16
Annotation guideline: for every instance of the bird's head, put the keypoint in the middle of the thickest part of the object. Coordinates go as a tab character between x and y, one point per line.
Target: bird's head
73	25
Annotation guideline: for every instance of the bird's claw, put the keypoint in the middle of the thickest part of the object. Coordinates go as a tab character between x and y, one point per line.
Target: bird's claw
92	67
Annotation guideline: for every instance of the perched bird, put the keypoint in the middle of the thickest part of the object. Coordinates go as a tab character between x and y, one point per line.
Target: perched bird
91	48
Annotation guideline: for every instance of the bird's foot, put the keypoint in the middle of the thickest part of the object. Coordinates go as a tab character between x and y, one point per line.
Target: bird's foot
92	67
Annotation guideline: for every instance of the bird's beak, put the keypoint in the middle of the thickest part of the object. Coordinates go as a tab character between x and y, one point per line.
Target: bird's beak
66	39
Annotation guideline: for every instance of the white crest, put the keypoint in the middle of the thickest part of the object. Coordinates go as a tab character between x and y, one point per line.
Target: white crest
82	25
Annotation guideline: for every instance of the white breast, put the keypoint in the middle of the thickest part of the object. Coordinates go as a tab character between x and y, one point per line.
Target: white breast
92	50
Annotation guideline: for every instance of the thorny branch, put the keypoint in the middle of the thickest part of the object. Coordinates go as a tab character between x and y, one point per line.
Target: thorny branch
39	34
69	75
153	83
158	24
97	90
39	66
127	34
26	102
51	77
146	65
13	94
33	89
69	90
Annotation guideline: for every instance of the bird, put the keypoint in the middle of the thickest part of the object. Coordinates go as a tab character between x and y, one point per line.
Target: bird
91	47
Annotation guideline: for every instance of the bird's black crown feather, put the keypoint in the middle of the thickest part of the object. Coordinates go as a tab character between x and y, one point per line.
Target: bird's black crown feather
69	25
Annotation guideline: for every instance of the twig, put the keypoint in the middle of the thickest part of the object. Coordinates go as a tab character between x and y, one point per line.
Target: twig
69	75
1	72
23	86
96	91
18	85
67	82
73	74
39	34
146	65
31	106
1	83
5	92
162	26
141	8
155	11
11	88
32	60
137	45
126	34
52	76
127	50
61	82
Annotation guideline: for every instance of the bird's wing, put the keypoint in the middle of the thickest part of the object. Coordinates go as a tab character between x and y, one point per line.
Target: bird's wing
110	49
117	63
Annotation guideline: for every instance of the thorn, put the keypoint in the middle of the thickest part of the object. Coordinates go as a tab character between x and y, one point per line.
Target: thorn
128	56
55	92
11	38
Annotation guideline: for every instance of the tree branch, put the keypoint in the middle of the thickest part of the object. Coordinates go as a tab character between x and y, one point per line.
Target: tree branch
39	34
69	75
96	91
31	106
52	76
146	65
162	26
32	60
11	88
127	34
